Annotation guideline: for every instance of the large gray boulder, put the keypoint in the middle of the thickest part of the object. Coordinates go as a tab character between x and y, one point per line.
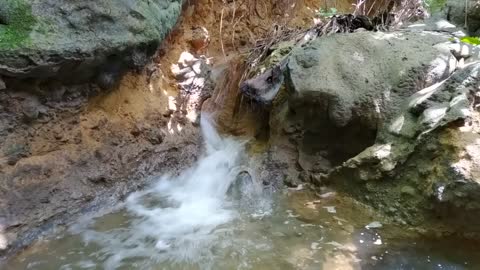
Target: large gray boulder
364	76
344	89
76	41
394	114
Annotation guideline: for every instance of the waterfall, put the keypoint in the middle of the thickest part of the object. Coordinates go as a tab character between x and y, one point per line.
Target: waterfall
178	218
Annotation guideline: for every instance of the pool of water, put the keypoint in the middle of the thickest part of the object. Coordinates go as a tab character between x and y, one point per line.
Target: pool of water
215	216
293	230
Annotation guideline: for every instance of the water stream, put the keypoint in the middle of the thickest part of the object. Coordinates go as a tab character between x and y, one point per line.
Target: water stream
213	216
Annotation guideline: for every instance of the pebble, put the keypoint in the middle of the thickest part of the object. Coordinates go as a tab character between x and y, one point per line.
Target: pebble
408	190
378	242
374	225
161	245
328	195
330	209
315	245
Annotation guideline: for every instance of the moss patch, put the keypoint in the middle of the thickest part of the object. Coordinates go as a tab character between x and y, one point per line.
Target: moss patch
20	23
435	5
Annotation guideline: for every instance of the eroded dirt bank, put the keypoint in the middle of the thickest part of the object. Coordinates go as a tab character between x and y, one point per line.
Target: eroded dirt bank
85	151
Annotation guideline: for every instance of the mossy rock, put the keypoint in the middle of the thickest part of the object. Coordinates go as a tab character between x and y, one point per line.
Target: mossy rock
16	23
74	41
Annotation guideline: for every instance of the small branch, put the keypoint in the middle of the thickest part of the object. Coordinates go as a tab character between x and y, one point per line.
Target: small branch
466	15
221	28
371	7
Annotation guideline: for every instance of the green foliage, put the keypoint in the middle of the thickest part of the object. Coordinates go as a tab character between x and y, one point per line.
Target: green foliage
19	24
471	40
327	13
434	5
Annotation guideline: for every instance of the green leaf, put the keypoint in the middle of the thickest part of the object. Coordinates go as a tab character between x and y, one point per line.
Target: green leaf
471	40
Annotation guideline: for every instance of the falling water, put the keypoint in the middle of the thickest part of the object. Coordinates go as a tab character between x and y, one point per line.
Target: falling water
179	218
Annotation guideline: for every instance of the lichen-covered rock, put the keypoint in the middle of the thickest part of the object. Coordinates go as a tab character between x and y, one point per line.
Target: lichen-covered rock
76	41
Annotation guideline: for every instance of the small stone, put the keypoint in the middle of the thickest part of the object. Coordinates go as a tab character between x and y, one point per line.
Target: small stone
290	129
374	225
58	136
349	228
312	204
391	210
15	152
291	182
200	39
3	242
400	221
327	195
2	85
98	179
154	136
76	195
330	209
30	112
316	178
161	245
315	245
304	176
108	79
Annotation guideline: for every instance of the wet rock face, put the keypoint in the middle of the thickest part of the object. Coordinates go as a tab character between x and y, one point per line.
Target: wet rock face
424	161
65	150
382	116
77	41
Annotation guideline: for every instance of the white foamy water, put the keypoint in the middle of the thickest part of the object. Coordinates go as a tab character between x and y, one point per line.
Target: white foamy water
178	218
